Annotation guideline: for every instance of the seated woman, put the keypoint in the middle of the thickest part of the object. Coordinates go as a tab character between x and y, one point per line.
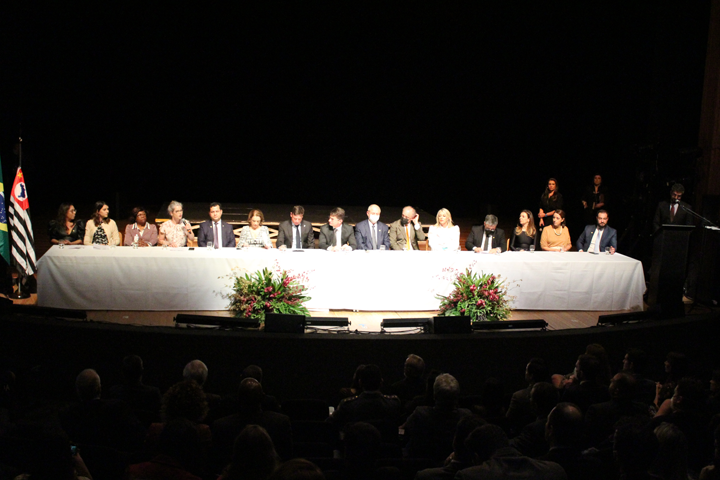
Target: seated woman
177	231
444	235
524	236
146	232
255	234
100	229
65	229
557	237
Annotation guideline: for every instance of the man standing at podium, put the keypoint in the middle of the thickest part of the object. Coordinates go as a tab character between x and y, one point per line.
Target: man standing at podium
672	212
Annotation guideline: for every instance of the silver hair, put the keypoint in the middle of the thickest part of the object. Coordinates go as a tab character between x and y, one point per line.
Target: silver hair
196	370
173	205
491	220
446	387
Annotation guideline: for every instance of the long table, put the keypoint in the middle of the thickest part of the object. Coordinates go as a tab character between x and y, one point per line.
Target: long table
123	278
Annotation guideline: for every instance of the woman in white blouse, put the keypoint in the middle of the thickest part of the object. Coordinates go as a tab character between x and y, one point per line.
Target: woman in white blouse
256	234
444	235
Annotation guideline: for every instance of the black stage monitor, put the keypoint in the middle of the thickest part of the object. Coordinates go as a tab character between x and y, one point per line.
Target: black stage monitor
215	321
629	317
452	324
538	324
284	323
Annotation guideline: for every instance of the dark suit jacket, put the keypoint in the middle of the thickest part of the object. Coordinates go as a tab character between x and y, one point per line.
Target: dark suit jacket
362	235
397	236
662	215
609	238
205	234
430	432
226	429
476	237
285	234
327	236
508	463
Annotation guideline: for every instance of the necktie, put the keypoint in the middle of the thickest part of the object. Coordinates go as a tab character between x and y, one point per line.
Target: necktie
374	238
408	245
215	234
597	241
297	237
487	242
673	209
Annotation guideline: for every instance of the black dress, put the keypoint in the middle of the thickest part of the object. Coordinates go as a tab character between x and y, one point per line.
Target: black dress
550	204
523	241
58	232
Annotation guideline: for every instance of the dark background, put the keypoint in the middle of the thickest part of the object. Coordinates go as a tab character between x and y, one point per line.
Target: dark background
466	105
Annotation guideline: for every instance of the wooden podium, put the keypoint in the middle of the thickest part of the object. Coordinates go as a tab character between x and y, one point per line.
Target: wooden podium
669	266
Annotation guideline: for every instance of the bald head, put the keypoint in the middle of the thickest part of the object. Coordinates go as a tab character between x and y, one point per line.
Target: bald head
564	425
408	212
87	385
197	371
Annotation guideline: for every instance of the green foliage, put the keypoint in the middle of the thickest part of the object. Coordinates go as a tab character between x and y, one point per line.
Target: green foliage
259	293
482	297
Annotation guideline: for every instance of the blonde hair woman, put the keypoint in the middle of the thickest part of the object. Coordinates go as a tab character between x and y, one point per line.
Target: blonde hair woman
525	235
444	235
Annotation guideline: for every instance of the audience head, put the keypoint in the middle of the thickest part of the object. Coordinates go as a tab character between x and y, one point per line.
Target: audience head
537	371
186	400
87	385
588	368
362	443
132	369
689	395
296	214
526	220
66	212
623	387
196	371
101	213
446	391
464	428
635	361
371	378
484	441
672	458
634	448
138	215
544	397
180	440
255	218
297	469
252	371
676	365
414	366
336	217
443	218
564	426
254	456
250	394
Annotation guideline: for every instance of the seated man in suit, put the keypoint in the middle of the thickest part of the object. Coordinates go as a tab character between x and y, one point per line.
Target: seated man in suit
295	233
487	238
405	233
595	238
215	230
672	212
371	234
336	236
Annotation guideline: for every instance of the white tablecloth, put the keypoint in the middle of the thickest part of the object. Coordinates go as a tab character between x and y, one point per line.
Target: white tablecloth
91	278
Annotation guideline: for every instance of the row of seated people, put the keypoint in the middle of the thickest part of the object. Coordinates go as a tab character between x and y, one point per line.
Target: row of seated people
588	424
297	233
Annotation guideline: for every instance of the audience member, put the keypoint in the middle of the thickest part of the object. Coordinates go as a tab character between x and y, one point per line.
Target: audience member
143	399
590	389
524	234
177	231
298	469
461	457
228	406
215	230
52	457
372	234
598	237
413	382
255	234
65	229
635	449
197	371
557	237
635	364
563	432
520	411
594	199
495	459
676	367
712	471
254	456
430	430
671	462
362	445
531	441
406	232
354	389
336	236
426	398
444	235
487	238
550	202
179	455
295	233
371	404
100	229
249	412
146	233
184	400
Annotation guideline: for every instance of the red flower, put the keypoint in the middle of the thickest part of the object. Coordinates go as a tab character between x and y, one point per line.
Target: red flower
473	288
268	289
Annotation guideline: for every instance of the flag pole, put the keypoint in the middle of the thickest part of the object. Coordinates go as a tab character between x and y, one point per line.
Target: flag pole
20	294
